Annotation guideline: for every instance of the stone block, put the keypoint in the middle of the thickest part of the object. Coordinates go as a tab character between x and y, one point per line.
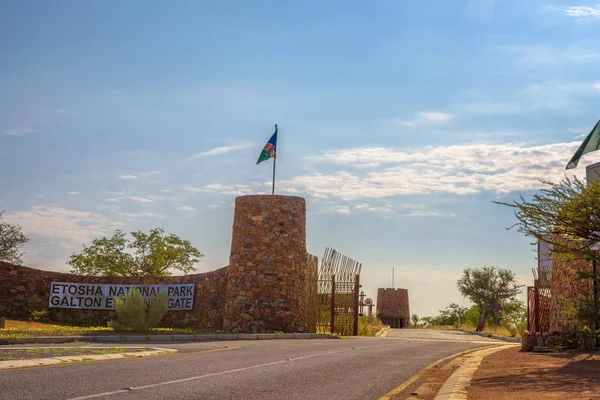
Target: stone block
267	336
184	338
285	336
160	338
135	338
227	336
50	339
206	337
108	339
320	336
539	341
248	336
302	335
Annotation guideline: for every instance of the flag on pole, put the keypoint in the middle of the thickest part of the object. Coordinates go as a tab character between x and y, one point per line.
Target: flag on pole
591	143
269	150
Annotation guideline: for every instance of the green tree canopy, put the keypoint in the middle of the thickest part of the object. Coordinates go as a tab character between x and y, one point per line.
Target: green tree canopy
146	254
486	287
11	241
415	319
564	214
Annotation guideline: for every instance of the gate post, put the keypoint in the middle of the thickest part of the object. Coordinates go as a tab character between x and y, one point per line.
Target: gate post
332	303
356	299
536	301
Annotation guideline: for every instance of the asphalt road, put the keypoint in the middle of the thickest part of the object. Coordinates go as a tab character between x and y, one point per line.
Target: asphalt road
361	368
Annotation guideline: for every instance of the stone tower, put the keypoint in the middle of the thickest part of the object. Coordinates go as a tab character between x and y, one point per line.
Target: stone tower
392	307
266	291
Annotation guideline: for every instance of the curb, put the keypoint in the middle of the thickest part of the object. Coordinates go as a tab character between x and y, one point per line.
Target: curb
492	336
37	362
164	338
455	387
383	332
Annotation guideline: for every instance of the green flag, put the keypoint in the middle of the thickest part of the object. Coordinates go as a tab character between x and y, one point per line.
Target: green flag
591	143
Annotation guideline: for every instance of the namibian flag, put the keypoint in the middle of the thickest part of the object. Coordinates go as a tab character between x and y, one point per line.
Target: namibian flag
270	149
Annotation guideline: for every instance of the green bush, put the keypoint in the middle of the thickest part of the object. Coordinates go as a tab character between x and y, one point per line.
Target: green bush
39	316
134	316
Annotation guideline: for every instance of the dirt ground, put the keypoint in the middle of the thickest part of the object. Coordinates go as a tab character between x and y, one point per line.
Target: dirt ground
511	374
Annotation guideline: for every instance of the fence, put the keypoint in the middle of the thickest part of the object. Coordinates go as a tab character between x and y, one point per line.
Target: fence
332	294
538	300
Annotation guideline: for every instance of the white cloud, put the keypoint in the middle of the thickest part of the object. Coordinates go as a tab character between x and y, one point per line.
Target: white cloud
112	200
147	199
132	216
236	190
131	177
377	173
193	189
73	193
19	132
218	151
67	228
579	11
424	118
185	208
343	210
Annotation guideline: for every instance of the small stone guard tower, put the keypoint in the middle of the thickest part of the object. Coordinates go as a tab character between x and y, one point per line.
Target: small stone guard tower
267	266
392	307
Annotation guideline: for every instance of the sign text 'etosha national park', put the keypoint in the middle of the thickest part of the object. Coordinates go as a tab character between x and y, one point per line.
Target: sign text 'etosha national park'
96	296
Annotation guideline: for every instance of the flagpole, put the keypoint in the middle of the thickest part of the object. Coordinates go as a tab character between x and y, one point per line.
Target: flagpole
274	164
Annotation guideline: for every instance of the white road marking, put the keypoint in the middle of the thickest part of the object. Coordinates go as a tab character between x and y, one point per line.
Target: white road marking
231	371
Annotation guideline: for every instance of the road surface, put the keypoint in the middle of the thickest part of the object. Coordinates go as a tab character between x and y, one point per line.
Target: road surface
355	368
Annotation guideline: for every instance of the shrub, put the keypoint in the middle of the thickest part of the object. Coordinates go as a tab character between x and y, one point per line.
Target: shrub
369	325
39	316
134	315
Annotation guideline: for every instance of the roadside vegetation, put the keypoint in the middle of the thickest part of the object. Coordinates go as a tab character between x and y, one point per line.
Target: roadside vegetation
19	329
369	325
566	215
509	321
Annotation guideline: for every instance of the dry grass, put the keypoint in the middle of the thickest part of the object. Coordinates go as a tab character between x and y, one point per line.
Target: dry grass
17	329
369	326
496	330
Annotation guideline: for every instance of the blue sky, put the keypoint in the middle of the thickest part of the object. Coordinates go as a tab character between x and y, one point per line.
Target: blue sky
400	122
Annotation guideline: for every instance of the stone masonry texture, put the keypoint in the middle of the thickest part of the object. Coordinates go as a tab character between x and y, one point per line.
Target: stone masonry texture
393	303
24	290
566	288
267	283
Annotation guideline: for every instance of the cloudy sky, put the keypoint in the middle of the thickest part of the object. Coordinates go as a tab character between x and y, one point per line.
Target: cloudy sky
400	122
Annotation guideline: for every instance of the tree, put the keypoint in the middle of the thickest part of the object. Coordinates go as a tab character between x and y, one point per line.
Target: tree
486	287
11	241
567	216
514	316
152	254
456	313
415	319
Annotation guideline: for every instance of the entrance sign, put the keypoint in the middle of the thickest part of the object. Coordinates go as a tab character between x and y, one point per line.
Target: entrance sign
95	296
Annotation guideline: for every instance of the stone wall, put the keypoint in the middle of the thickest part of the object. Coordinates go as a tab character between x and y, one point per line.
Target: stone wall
565	289
267	289
24	290
393	303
